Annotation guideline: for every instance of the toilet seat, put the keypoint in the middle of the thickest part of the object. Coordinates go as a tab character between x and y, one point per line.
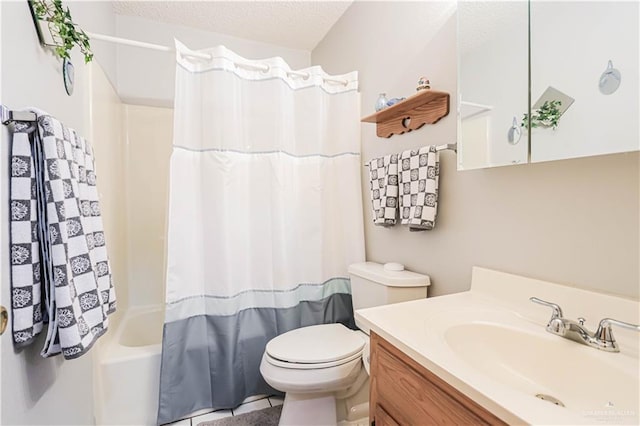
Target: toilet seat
318	346
309	366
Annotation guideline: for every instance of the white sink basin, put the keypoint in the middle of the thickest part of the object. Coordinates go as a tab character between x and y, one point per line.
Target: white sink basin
584	379
490	343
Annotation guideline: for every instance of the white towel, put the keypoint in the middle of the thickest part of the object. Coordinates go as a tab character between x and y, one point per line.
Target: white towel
383	179
76	276
419	174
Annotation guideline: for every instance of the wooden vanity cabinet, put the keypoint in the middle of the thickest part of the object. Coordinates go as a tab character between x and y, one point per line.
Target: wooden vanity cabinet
404	392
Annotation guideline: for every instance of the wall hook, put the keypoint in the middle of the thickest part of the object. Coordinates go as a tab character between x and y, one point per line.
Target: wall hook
514	134
609	80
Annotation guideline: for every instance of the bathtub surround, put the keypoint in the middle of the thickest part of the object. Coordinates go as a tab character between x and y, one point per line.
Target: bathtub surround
264	219
60	265
128	370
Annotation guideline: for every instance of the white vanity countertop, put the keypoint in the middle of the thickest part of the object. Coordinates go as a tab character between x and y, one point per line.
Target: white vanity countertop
504	376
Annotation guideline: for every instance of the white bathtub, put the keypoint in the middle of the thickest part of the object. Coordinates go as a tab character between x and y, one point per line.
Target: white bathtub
128	371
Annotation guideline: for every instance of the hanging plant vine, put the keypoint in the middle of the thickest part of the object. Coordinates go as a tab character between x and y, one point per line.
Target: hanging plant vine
547	115
64	32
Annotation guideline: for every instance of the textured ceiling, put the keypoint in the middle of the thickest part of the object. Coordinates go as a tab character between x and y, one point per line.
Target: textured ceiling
482	21
294	24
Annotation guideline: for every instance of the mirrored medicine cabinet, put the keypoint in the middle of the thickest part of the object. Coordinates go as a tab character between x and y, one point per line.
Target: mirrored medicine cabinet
541	81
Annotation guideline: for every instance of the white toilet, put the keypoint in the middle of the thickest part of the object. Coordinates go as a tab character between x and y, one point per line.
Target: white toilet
323	369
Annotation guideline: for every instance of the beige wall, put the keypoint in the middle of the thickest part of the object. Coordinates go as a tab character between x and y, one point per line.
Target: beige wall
149	134
573	221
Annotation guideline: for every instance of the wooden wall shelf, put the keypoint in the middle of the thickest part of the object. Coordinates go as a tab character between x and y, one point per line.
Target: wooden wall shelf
425	107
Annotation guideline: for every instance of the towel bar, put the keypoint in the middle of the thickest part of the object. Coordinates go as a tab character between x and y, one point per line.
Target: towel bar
8	116
451	146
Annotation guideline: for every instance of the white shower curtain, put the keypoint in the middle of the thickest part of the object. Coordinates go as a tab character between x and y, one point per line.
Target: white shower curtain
265	217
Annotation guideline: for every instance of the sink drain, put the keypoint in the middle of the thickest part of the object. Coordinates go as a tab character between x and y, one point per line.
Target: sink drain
550	399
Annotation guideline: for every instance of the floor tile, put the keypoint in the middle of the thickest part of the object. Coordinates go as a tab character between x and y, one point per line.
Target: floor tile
220	414
276	400
183	422
252	406
201	412
254	398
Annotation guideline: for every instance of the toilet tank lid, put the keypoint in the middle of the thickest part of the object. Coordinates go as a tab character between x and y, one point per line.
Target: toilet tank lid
375	272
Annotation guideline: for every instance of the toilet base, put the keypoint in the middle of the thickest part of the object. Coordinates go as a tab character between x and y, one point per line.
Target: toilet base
308	409
346	408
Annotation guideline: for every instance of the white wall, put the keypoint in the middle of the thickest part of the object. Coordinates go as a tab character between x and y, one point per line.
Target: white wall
37	390
572	221
146	77
570	54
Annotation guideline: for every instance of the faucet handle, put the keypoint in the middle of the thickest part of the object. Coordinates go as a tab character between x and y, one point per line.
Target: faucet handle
557	310
605	335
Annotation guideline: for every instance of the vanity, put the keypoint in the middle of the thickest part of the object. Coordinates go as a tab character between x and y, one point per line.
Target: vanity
485	356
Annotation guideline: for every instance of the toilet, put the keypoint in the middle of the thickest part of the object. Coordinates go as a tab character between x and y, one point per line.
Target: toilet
324	369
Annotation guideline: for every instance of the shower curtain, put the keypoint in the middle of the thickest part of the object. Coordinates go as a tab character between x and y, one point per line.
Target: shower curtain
265	216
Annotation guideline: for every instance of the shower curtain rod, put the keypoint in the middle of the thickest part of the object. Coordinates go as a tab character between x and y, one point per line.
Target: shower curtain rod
161	48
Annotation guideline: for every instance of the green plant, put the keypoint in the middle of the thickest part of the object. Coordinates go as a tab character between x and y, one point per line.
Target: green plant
547	115
65	33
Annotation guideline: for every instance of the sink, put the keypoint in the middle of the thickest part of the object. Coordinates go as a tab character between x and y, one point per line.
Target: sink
586	381
491	344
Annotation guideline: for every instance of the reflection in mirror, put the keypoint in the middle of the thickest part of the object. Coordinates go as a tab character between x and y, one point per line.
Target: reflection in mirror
587	52
493	80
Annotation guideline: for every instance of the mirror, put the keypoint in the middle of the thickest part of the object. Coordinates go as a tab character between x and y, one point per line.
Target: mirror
493	74
587	51
583	81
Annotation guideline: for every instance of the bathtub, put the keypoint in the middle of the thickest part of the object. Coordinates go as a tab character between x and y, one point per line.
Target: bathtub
128	370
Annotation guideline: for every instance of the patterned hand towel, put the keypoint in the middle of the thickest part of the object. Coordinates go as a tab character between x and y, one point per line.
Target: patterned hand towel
419	174
383	174
75	274
26	297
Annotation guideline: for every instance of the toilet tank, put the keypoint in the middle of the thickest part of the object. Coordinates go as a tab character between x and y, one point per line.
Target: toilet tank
372	285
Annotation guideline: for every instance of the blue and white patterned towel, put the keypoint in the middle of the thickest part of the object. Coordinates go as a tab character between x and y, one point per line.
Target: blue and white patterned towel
66	257
419	174
383	180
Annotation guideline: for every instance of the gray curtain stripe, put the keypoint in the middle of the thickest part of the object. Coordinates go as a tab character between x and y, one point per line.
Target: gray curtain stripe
276	151
289	290
230	305
213	361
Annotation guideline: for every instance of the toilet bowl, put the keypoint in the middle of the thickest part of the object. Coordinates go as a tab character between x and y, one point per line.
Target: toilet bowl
315	365
323	369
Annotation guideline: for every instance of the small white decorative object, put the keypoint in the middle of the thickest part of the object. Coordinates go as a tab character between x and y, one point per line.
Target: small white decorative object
381	103
393	266
423	84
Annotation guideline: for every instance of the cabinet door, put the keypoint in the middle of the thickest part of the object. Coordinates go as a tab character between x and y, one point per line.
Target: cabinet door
383	418
412	395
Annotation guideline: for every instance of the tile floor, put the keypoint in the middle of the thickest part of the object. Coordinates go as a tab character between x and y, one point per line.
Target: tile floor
252	403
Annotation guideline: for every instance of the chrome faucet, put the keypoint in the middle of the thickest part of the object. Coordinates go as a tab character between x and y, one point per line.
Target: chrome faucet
601	339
